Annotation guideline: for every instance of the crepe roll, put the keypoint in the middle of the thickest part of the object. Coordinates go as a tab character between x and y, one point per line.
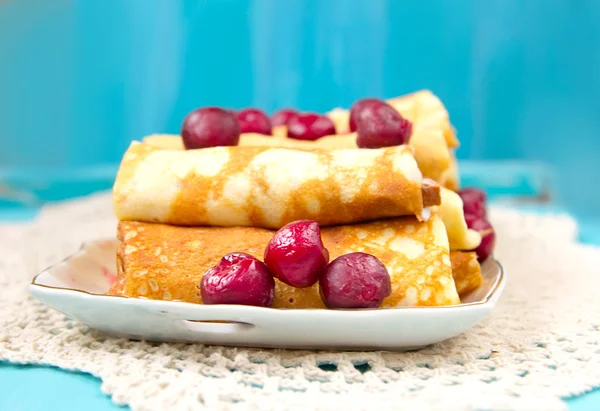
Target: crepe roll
423	108
430	150
426	111
269	187
432	138
164	262
466	272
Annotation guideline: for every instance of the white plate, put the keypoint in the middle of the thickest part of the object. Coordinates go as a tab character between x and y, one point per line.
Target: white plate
76	287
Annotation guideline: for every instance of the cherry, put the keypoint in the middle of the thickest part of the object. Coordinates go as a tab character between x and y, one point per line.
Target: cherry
359	106
296	254
310	126
473	194
355	280
379	125
253	120
210	127
488	236
283	117
238	278
473	201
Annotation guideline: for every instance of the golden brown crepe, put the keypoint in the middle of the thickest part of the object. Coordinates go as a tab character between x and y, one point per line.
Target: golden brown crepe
269	187
423	108
164	262
426	111
466	272
430	150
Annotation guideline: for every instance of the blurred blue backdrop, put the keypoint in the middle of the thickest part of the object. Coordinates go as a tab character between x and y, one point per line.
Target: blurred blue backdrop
80	79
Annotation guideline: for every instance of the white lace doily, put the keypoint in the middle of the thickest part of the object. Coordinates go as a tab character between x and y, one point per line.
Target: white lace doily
541	343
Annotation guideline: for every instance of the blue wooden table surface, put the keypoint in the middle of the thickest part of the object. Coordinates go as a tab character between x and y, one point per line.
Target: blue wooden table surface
32	387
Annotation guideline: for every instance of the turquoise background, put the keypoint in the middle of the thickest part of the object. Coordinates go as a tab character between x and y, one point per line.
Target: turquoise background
80	79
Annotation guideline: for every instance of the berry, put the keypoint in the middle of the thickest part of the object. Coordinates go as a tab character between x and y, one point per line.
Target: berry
238	278
253	120
210	127
296	254
310	126
473	201
283	117
355	280
359	106
379	125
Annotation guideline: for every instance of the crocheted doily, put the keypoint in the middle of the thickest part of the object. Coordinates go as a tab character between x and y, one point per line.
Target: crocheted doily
540	344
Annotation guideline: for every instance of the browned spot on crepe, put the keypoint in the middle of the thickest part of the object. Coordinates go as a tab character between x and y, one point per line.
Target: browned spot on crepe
187	208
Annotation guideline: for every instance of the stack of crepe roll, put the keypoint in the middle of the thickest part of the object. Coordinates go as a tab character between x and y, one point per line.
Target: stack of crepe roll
180	211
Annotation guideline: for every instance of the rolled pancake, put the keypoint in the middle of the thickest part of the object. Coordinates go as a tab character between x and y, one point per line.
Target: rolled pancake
269	187
159	261
423	108
426	111
466	272
430	150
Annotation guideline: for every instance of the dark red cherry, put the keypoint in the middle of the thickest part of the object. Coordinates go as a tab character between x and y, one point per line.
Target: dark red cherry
296	254
238	278
355	280
283	117
310	126
380	125
253	120
210	127
359	106
474	201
